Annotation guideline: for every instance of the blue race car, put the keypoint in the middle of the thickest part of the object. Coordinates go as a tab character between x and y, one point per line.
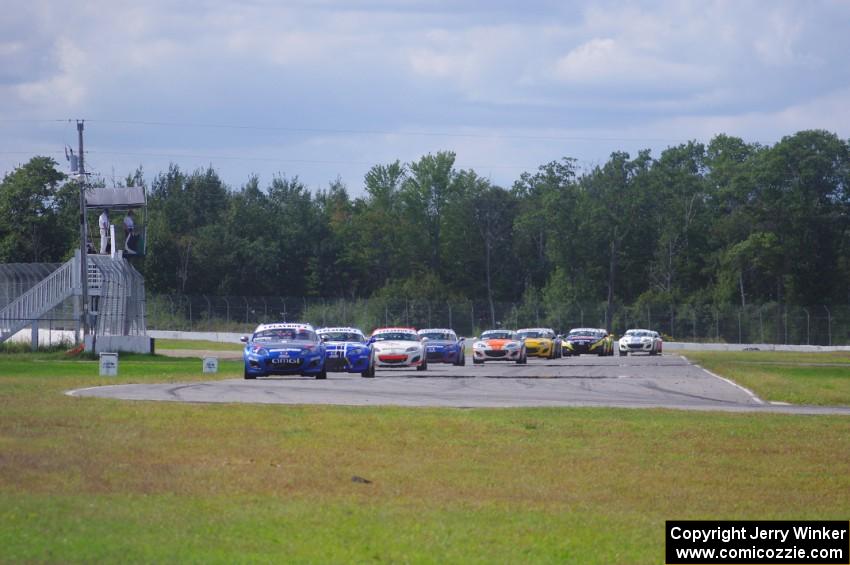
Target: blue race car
443	346
284	349
346	351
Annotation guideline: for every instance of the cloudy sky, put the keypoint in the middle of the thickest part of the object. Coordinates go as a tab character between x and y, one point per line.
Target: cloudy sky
326	89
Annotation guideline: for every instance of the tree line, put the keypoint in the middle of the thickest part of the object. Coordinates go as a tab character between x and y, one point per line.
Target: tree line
728	222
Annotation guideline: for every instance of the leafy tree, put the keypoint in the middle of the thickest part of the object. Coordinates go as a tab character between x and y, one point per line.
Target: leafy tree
731	188
613	204
382	245
483	231
678	209
730	221
333	271
804	180
547	234
185	213
296	224
37	219
425	193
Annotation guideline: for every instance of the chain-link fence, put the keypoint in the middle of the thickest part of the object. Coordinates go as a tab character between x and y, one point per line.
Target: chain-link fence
766	323
124	303
53	327
17	278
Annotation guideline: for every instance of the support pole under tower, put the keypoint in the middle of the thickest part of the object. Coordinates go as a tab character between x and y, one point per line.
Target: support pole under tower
84	282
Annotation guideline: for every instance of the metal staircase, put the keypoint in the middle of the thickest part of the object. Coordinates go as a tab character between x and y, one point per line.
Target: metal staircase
116	299
40	299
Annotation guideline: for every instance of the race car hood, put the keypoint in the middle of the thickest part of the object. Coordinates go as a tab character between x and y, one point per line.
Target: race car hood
347	343
583	338
283	345
497	343
394	344
440	342
537	340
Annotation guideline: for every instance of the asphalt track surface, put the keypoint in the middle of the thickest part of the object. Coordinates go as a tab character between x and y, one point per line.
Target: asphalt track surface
668	381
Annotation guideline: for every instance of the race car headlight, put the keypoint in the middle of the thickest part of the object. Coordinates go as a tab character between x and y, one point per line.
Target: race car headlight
412	349
356	350
260	350
512	345
479	345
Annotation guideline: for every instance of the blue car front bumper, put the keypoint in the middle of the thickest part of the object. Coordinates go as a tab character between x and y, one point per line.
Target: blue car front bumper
442	354
261	365
340	358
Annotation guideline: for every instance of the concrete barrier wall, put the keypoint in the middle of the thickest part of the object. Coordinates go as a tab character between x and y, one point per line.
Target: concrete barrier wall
221	337
120	343
45	337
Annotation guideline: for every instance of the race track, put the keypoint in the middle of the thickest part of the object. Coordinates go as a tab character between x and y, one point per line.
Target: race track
669	381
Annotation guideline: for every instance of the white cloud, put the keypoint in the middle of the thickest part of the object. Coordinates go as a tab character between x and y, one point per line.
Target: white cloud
606	61
66	88
823	112
597	70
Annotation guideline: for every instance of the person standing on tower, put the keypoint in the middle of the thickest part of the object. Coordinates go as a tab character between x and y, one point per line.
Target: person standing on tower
103	223
129	226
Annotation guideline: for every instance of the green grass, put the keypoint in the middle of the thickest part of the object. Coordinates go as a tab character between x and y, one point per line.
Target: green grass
798	378
86	479
199	345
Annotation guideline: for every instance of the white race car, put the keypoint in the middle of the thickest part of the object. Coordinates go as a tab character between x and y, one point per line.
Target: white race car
640	341
499	345
398	347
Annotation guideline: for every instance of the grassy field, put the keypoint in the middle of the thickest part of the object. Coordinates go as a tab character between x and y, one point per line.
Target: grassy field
85	479
197	345
798	378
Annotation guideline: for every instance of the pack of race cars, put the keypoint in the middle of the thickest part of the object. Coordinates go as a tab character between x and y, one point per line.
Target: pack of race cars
300	349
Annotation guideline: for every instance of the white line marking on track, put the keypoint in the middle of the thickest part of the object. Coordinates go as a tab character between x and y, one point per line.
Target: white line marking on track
753	395
75	391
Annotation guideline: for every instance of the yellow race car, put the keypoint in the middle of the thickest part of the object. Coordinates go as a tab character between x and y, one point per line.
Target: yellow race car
540	342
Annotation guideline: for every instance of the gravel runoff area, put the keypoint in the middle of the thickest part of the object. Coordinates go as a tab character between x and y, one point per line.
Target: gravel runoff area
669	381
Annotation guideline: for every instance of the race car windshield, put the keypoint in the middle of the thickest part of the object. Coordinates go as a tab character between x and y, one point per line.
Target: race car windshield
344	336
584	333
396	336
496	335
285	334
639	334
531	334
438	336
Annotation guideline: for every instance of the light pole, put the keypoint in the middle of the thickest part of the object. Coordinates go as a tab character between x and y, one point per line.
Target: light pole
84	281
